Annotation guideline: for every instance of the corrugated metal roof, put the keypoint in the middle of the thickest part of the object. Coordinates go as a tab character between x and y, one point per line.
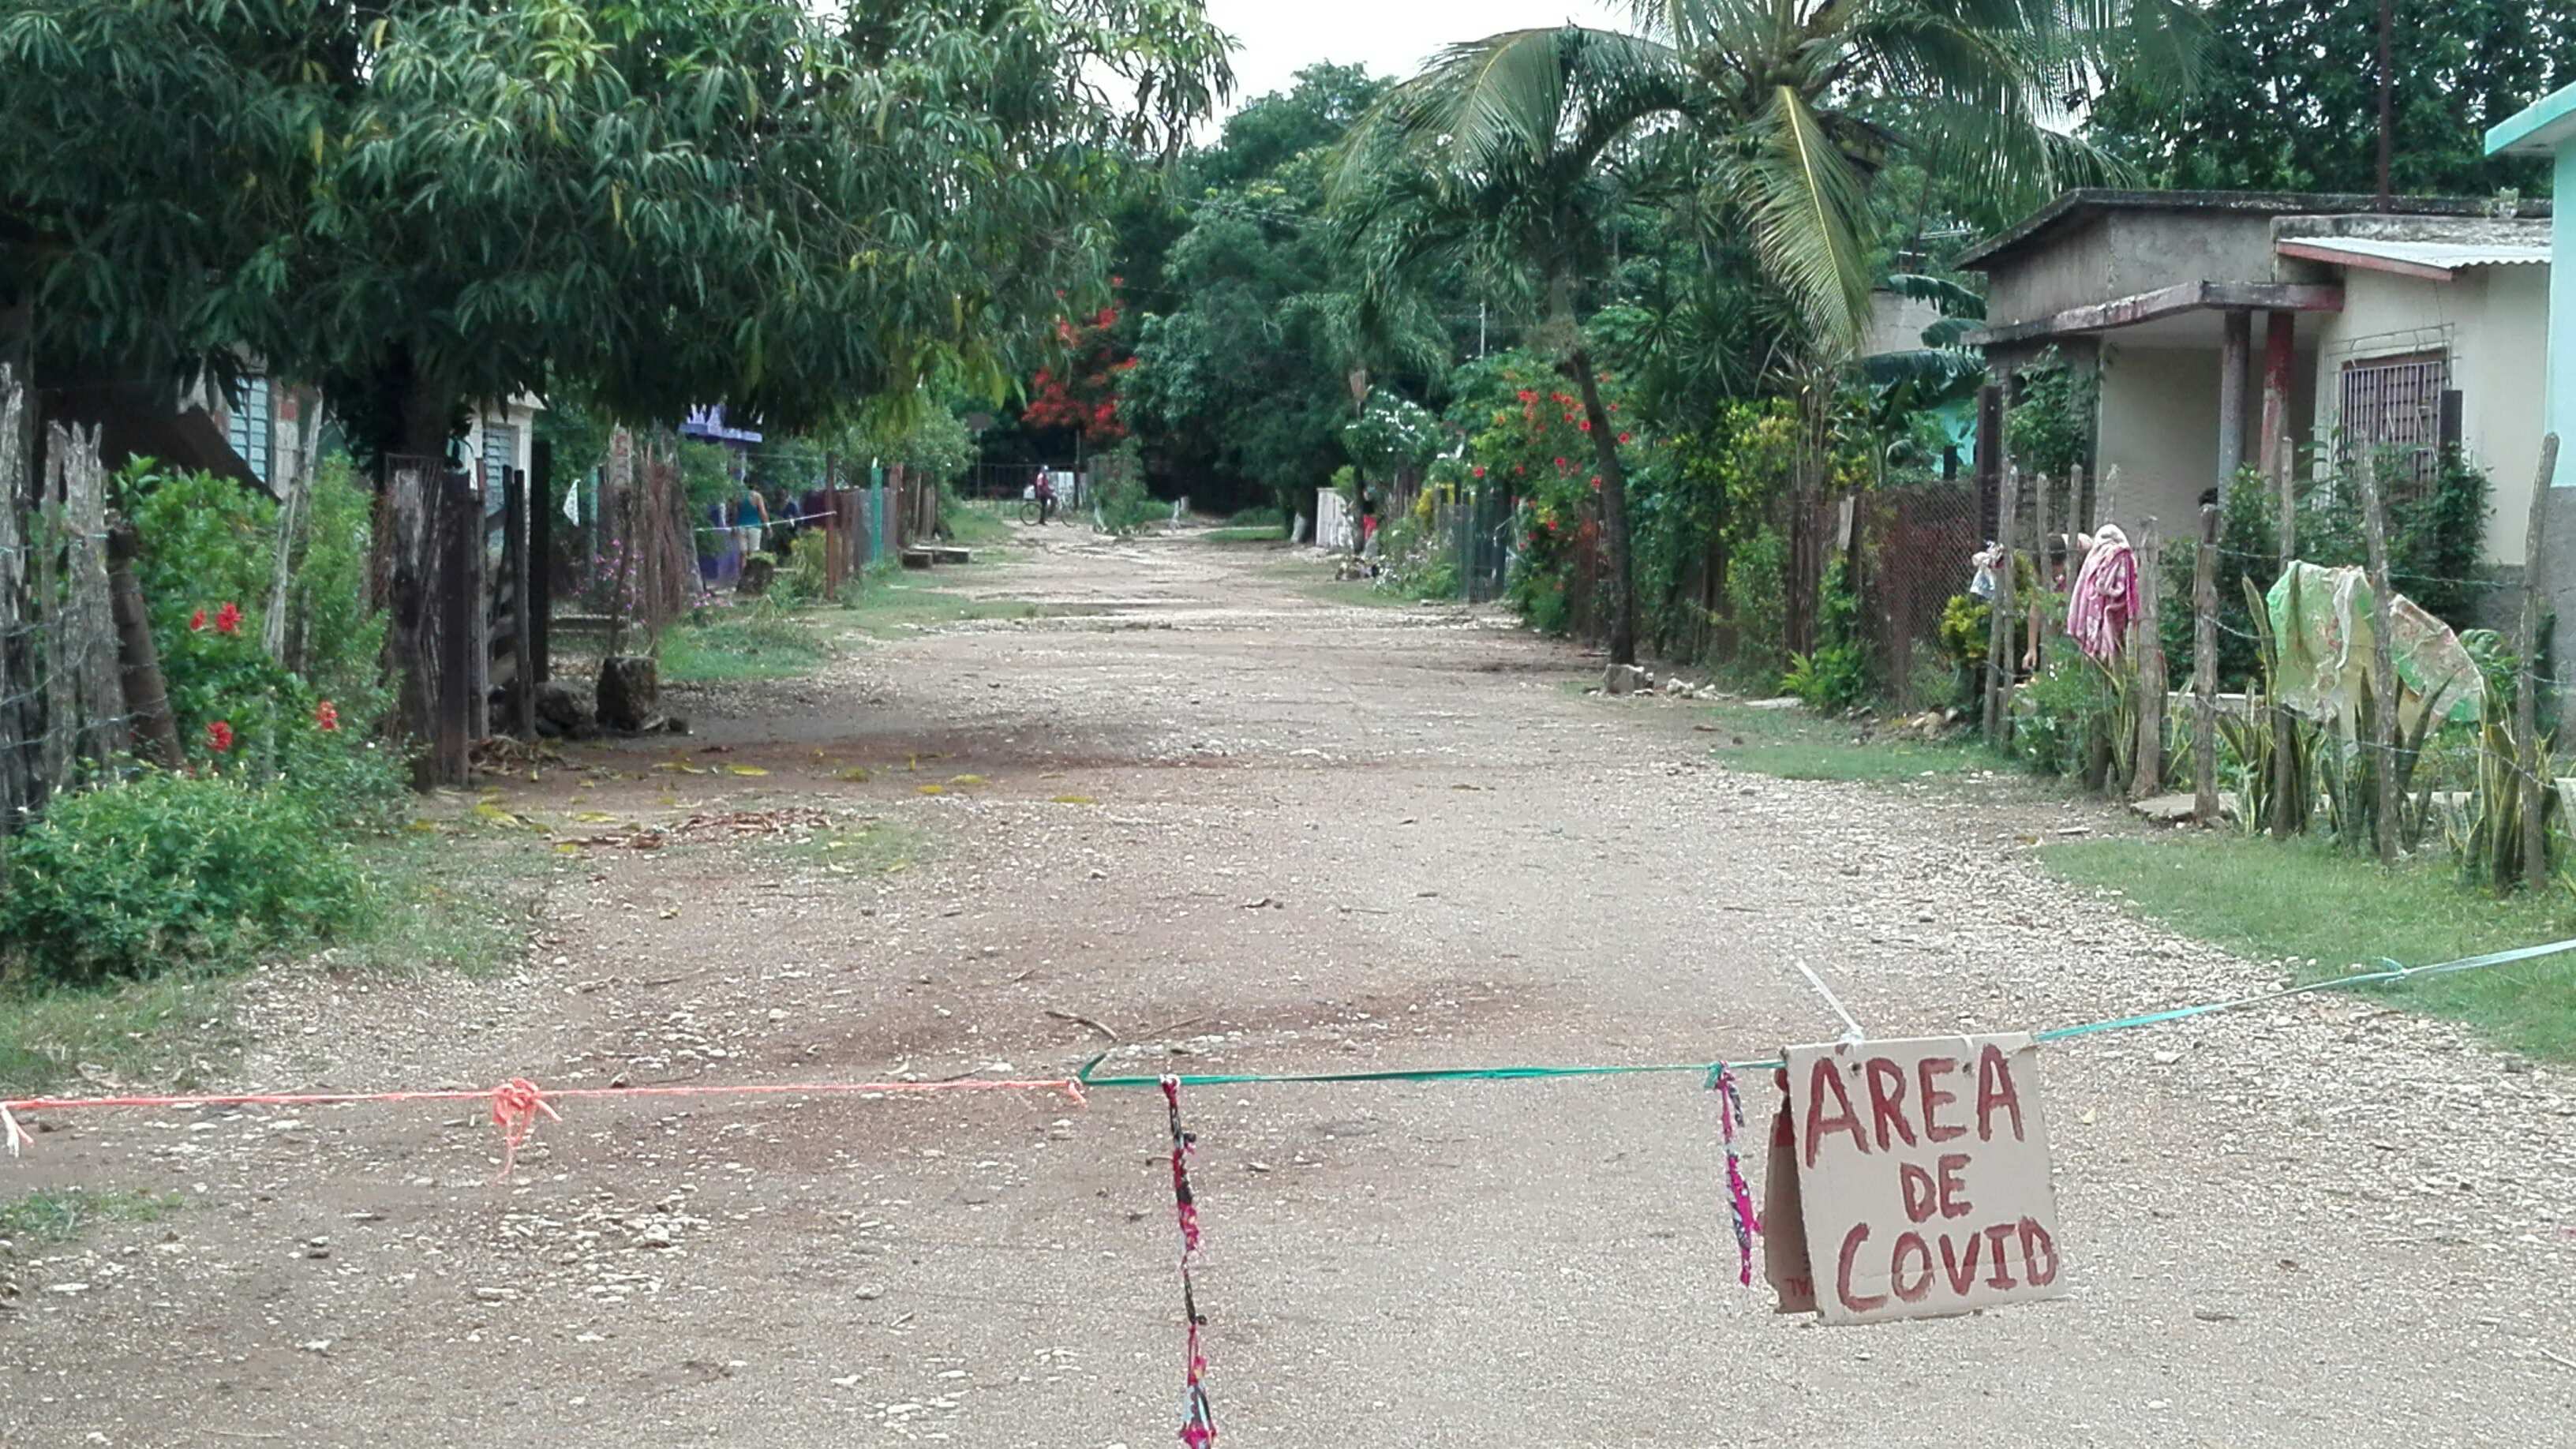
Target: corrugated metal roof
2414	255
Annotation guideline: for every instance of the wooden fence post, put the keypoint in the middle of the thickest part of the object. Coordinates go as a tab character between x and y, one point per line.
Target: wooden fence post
2383	660
2002	619
831	527
2149	777
456	606
514	565
541	559
17	711
2288	816
2526	703
2204	671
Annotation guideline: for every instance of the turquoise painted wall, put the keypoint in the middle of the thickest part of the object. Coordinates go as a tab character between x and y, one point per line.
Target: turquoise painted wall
2562	315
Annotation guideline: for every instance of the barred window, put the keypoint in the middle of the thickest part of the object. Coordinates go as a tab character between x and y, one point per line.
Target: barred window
2393	405
500	454
246	426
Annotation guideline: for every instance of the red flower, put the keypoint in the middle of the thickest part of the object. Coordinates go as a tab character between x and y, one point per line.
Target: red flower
1625	438
228	618
1527	396
197	621
219	736
1585	425
1480	470
325	716
1596	482
1560	465
1551	525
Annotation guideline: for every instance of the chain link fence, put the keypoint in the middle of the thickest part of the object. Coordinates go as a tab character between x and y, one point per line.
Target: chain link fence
1915	545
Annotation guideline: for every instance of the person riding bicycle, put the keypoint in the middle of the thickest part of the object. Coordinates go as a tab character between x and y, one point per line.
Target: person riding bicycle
1045	497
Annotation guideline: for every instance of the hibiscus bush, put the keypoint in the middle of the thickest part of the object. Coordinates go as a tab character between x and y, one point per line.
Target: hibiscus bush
1527	433
307	721
254	844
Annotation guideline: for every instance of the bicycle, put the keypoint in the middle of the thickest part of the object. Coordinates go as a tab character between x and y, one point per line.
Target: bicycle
1032	511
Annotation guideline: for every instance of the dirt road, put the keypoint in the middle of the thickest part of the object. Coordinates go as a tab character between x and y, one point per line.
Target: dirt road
1272	831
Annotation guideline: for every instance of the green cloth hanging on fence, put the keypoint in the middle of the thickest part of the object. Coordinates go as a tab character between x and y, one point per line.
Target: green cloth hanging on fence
2321	618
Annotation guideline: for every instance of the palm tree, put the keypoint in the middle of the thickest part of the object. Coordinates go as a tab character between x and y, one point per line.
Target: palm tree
1517	178
1513	152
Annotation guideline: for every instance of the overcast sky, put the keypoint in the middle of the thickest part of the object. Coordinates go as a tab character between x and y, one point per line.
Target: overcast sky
1275	38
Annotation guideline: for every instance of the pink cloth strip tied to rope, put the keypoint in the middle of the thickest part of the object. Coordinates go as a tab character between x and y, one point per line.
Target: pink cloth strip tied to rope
1198	1420
1748	1224
2105	597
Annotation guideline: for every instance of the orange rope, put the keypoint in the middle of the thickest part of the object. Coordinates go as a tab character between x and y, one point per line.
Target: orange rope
516	1103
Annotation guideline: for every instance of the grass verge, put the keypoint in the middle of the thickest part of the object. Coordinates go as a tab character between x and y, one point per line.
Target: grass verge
459	898
869	847
1796	745
1248	533
447	897
891	602
55	1216
2308	902
760	641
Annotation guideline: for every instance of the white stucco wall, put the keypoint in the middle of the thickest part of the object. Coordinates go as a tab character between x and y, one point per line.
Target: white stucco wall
2159	427
519	414
2494	324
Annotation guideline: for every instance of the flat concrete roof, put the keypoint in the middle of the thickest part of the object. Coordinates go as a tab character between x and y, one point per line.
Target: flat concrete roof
2538	129
2091	200
2166	303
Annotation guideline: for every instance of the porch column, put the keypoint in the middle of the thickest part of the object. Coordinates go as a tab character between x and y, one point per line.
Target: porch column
2280	344
2233	357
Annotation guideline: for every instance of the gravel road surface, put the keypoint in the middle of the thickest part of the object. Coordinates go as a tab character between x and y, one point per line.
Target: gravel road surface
1226	819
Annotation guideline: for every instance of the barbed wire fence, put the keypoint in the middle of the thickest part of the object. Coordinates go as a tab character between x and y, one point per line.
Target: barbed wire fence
63	706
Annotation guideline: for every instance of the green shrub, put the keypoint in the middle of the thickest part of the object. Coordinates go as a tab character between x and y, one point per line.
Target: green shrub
801	581
1967	629
209	549
1124	506
1269	517
2070	702
163	870
1833	679
333	638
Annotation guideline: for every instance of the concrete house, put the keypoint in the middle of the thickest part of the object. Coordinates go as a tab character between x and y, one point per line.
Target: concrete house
2226	327
2548	128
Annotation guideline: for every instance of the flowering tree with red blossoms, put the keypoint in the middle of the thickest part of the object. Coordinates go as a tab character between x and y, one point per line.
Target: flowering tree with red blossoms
1083	395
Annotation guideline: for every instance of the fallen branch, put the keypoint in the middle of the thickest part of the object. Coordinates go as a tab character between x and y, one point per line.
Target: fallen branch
1078	1019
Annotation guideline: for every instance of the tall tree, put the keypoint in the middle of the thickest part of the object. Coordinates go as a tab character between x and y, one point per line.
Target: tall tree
2289	100
664	201
1250	333
1779	115
1518	180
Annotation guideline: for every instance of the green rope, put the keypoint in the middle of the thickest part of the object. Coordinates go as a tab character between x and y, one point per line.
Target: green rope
1433	1074
1710	1070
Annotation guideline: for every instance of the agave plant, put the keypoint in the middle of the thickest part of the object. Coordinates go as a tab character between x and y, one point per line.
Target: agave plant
2490	845
2349	772
2256	739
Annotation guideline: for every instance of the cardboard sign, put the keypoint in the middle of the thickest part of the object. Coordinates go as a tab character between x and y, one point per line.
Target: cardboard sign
1784	1230
1920	1178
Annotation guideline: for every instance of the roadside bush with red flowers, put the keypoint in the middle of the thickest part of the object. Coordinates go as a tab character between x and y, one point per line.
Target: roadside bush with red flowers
1528	434
306	722
254	847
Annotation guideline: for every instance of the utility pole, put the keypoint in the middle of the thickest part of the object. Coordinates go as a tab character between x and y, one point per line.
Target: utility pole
2387	102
